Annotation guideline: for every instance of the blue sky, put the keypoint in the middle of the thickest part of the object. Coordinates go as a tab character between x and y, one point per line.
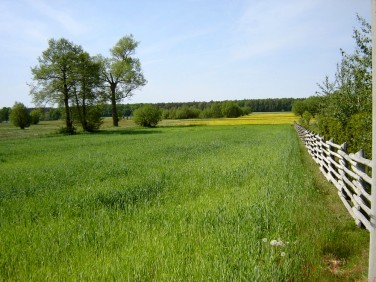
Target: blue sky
190	50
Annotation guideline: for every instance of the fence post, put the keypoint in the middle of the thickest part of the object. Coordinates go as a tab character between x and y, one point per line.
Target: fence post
362	168
372	246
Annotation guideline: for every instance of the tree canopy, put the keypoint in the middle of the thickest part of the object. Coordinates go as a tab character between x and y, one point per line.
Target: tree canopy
68	76
56	76
121	74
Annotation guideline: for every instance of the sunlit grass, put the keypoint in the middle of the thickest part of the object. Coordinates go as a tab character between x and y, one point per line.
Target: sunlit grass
201	203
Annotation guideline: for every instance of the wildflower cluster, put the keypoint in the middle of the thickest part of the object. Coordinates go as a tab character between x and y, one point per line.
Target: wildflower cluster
277	243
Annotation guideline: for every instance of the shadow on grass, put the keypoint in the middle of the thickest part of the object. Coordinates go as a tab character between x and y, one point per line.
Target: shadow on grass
127	131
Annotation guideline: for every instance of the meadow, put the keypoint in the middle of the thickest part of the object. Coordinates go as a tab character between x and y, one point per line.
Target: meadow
173	203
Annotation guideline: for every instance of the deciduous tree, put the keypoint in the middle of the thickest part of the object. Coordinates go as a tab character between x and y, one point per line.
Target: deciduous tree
56	76
121	73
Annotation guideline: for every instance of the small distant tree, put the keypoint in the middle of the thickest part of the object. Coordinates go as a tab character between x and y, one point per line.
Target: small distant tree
54	114
20	116
4	114
299	107
35	116
147	115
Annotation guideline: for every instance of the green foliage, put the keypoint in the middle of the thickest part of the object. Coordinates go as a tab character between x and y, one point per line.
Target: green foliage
35	115
306	118
330	127
231	109
93	118
310	104
346	102
67	131
121	73
68	76
359	133
147	115
187	113
54	114
246	110
4	114
19	116
56	76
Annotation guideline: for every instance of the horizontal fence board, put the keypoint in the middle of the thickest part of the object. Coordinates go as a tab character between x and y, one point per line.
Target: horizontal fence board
347	172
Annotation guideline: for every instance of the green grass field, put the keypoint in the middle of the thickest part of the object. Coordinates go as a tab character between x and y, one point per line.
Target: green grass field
174	203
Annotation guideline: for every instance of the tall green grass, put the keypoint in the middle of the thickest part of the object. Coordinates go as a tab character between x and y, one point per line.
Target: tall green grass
169	204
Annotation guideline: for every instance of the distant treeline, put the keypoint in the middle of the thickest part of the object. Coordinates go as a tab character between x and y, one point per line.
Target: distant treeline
212	109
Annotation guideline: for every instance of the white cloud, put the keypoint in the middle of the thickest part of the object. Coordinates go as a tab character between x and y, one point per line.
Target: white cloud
271	26
61	16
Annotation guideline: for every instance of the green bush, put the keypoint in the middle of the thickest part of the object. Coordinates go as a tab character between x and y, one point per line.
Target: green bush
306	118
331	127
93	119
231	109
147	115
35	115
20	116
359	133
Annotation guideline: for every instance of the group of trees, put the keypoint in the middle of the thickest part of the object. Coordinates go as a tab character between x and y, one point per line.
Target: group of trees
343	107
20	116
4	114
229	109
69	77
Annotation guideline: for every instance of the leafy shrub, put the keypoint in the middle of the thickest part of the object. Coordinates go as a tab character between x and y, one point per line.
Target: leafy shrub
359	133
94	119
35	115
187	112
147	115
20	116
306	118
67	130
231	109
331	127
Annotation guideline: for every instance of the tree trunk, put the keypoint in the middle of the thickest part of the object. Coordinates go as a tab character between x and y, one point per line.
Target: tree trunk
68	119
115	119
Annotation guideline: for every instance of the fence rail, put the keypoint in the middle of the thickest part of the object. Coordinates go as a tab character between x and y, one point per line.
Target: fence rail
350	173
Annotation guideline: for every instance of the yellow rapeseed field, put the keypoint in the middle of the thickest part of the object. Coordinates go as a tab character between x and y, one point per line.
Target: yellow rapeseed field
254	118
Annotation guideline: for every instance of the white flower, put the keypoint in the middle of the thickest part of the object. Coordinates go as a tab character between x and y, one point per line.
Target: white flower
273	243
264	240
283	254
278	243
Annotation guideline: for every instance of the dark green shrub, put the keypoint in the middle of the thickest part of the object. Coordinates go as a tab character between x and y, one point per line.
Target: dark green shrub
359	133
305	119
35	115
330	127
231	109
147	115
94	119
20	116
67	130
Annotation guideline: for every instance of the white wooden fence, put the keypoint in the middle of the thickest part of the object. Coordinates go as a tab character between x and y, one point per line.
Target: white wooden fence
350	173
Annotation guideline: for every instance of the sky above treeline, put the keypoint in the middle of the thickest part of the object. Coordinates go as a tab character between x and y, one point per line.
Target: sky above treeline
190	50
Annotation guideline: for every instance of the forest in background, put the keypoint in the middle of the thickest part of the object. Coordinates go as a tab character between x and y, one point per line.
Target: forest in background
183	110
